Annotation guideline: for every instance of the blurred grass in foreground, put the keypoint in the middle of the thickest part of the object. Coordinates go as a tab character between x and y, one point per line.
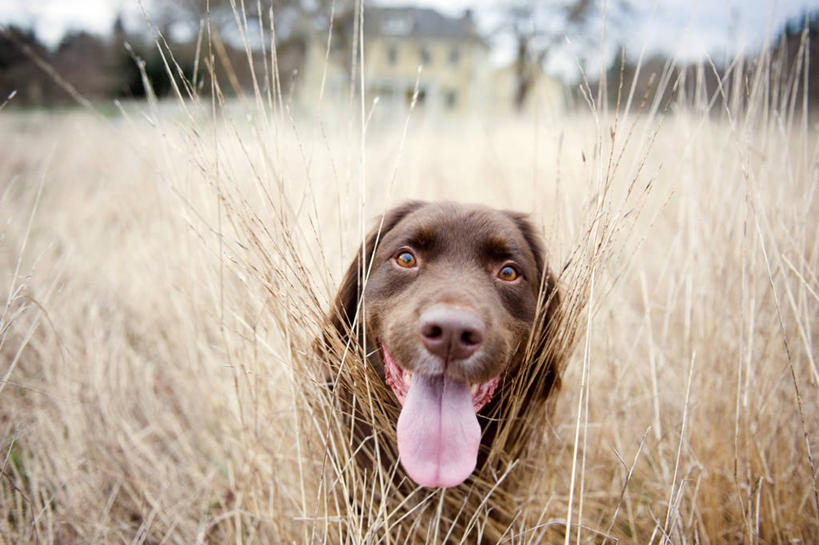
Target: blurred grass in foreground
167	272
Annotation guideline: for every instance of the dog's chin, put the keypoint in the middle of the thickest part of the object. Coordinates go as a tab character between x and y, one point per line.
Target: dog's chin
400	380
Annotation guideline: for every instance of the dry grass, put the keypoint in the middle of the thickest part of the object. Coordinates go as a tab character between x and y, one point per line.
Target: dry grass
167	275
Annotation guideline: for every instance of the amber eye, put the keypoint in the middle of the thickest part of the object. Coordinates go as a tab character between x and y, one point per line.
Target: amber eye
406	259
508	273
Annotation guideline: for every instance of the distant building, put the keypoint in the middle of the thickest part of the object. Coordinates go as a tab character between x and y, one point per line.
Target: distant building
547	96
453	57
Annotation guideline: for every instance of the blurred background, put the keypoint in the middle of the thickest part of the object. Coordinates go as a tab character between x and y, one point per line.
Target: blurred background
183	184
477	57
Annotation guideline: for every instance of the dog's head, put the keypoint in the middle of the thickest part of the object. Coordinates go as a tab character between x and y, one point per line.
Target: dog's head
447	309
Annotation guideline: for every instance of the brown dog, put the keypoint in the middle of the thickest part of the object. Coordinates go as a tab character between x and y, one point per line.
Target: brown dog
453	293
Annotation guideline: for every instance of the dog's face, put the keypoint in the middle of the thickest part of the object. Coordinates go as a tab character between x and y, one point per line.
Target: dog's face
449	306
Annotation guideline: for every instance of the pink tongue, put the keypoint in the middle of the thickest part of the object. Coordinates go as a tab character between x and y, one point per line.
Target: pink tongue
438	432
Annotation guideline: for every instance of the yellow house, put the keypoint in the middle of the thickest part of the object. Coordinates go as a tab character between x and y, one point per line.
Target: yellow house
452	57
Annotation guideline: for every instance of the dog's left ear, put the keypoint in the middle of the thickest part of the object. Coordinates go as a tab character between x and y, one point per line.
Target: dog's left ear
543	355
345	307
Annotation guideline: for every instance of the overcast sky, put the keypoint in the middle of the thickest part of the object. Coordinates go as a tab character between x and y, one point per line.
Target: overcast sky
685	29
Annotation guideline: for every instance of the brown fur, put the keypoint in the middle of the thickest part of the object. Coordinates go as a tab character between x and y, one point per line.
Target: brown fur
461	247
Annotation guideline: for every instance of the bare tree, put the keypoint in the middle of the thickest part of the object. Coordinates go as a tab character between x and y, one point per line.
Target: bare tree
539	29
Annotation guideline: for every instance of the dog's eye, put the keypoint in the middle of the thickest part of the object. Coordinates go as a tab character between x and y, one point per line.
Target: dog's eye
406	259
508	273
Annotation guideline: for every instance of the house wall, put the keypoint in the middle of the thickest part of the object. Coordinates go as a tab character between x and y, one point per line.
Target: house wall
452	82
447	87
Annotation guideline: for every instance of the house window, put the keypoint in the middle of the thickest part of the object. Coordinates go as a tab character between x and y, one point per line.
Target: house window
454	56
426	57
422	96
451	99
392	54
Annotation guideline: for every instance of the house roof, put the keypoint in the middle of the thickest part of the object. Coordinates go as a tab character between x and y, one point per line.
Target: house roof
418	22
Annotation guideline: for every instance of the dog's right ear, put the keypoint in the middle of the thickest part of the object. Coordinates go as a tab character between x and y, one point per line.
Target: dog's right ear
543	357
345	307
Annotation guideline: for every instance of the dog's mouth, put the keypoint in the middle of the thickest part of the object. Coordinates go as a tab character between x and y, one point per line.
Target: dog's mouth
438	431
400	380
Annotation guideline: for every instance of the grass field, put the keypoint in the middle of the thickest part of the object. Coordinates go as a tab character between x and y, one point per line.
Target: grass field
167	270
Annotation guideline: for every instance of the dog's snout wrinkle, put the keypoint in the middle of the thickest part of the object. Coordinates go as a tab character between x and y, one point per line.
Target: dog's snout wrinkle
450	332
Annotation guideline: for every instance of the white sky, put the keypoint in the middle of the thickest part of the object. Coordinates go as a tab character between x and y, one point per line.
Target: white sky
52	18
686	29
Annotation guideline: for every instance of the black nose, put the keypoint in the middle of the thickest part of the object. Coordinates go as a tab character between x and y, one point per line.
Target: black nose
450	332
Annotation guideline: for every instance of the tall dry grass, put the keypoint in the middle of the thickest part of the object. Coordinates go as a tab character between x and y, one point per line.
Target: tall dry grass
168	271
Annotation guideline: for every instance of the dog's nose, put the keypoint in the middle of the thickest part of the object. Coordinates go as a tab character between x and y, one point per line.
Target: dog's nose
451	333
